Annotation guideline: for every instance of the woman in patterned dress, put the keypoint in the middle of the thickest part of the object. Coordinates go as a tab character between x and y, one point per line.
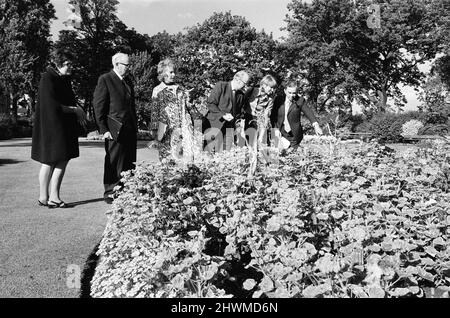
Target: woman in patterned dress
173	112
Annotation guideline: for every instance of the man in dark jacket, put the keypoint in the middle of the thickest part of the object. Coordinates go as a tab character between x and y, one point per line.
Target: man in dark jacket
286	116
224	112
115	113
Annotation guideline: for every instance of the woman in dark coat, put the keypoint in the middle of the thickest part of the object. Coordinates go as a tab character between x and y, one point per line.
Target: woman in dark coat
55	128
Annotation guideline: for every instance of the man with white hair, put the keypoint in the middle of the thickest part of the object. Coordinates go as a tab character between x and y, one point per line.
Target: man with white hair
225	112
115	113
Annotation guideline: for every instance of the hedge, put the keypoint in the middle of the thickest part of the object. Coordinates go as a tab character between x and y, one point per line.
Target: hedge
14	129
387	127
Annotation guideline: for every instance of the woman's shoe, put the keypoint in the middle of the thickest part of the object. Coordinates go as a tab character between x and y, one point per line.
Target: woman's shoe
41	203
53	204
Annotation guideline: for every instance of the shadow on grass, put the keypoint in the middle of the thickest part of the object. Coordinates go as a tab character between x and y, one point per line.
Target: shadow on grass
92	144
101	144
73	204
4	162
88	273
27	144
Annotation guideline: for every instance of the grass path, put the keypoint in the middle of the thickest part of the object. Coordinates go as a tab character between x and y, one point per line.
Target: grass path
37	245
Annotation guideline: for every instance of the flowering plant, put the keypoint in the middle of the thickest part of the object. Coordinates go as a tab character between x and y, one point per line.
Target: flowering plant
411	128
357	221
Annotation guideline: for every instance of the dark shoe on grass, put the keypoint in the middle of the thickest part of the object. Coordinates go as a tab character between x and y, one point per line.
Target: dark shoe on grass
53	204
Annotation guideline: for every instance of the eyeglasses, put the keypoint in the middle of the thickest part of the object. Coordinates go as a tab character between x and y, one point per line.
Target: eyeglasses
243	83
127	65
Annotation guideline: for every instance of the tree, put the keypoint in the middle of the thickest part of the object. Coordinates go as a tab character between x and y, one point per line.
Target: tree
435	95
129	40
220	46
143	70
312	52
163	45
341	48
92	42
24	34
97	34
442	68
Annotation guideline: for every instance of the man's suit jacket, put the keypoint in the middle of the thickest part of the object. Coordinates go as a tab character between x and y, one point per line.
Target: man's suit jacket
298	106
220	101
114	97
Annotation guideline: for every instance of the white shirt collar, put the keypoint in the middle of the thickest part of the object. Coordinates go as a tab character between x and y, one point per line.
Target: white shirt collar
121	78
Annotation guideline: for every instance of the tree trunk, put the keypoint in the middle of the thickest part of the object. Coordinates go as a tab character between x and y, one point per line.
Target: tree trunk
4	104
14	100
32	95
89	109
382	100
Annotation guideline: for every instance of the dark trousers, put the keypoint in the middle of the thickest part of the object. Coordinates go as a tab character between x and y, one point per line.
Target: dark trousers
120	156
294	140
221	137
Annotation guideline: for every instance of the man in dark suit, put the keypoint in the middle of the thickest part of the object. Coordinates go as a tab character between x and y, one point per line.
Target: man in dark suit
286	116
224	112
114	108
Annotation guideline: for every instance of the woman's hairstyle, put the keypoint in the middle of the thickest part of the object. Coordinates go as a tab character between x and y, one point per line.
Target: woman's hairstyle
268	80
163	66
59	56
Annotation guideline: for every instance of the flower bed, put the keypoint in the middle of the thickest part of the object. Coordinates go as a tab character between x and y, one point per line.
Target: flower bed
326	221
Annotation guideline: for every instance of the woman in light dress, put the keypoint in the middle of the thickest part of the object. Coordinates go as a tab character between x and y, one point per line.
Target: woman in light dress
173	112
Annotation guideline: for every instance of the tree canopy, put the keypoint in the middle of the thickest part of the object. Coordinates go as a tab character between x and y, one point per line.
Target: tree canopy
341	51
97	36
25	45
335	47
220	46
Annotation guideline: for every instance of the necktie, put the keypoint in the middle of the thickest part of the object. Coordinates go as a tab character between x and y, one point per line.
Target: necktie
287	127
127	87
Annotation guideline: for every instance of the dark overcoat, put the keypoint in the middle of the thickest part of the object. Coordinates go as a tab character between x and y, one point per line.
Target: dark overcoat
299	106
221	101
115	97
55	133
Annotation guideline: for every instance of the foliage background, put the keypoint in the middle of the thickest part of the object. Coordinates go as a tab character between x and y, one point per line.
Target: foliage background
330	49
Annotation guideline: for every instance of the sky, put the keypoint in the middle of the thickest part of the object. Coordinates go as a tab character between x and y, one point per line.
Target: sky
153	16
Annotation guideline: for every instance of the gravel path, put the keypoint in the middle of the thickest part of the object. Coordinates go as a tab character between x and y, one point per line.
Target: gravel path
42	250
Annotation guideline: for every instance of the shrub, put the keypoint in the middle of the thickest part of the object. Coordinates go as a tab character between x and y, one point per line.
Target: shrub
6	126
334	124
363	127
432	118
386	127
435	129
143	113
411	128
326	221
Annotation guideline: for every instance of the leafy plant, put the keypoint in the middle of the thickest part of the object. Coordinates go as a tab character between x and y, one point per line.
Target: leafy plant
411	128
330	220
